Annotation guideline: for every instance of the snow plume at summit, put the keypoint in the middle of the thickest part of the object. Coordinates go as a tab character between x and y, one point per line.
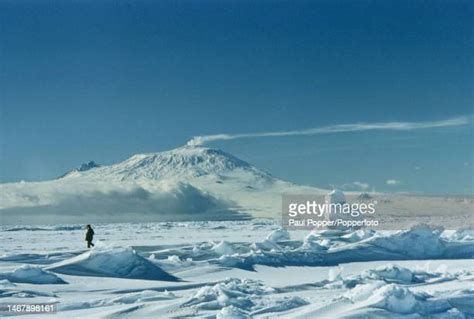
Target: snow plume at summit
337	128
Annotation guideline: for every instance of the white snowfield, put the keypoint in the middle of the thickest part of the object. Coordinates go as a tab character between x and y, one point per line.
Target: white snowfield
238	269
191	183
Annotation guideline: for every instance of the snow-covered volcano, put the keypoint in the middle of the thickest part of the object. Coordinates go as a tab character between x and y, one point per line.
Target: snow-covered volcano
184	163
187	183
190	182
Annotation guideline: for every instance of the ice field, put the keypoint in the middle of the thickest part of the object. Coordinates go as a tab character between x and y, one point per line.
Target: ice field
238	269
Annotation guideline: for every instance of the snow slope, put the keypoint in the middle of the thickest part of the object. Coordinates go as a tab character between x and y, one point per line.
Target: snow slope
113	262
82	168
181	163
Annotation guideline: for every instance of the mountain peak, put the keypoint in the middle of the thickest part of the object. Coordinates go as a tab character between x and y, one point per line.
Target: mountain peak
187	150
183	163
82	168
87	166
191	161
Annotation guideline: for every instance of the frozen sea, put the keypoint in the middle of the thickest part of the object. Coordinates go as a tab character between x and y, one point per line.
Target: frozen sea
237	269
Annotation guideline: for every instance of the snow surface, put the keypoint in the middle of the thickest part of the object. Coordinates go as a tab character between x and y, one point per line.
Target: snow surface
233	269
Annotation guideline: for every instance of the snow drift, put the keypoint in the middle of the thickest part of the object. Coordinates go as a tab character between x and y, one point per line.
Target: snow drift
129	298
9	289
328	249
31	275
112	262
237	298
395	300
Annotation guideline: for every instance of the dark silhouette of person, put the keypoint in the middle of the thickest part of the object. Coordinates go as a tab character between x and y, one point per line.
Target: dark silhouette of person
89	236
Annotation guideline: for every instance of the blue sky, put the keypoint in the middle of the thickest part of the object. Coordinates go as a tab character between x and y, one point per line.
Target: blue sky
103	80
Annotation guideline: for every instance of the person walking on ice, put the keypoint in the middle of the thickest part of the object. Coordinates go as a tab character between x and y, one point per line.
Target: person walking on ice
89	236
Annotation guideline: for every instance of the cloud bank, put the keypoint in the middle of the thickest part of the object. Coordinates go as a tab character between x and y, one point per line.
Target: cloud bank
338	128
90	202
355	186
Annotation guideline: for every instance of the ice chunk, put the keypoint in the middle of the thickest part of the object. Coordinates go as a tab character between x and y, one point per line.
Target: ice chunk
231	312
112	262
142	296
390	273
283	304
363	291
313	246
31	275
172	258
231	292
278	235
223	248
236	298
335	201
332	248
359	235
417	242
395	299
336	197
462	235
5	283
335	273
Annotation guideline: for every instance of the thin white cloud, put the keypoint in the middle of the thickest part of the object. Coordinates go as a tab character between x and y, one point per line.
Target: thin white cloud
338	128
361	185
392	182
355	186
